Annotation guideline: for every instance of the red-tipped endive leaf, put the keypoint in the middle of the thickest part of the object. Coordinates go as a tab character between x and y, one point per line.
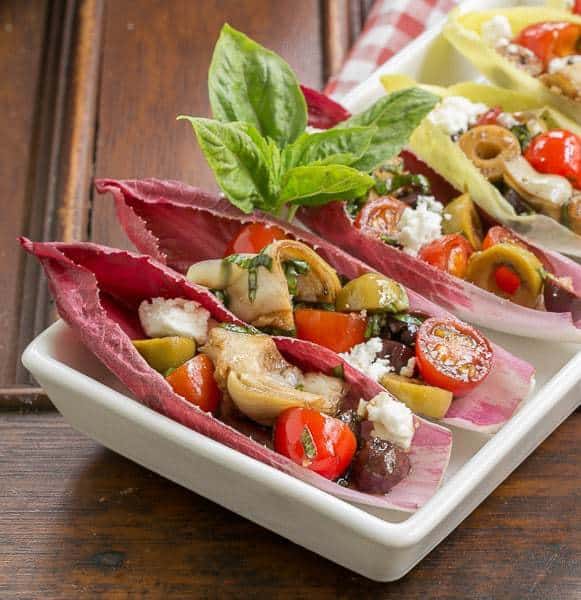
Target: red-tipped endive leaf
189	225
81	275
322	111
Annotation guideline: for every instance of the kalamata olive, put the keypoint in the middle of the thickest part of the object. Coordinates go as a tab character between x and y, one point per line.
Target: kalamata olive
403	331
517	202
398	354
560	299
379	466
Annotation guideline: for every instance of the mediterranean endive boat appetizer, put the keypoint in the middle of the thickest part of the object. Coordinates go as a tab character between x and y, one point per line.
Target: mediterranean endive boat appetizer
282	279
571	6
385	209
285	402
530	49
519	161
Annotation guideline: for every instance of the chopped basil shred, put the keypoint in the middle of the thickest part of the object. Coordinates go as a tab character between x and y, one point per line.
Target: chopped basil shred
523	135
248	329
308	443
338	371
292	269
408	318
354	205
402	180
390	241
222	296
375	323
279	331
251	264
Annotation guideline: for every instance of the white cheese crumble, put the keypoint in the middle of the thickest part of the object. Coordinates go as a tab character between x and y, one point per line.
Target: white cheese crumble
409	369
163	317
560	63
507	120
455	114
392	420
421	225
364	357
496	31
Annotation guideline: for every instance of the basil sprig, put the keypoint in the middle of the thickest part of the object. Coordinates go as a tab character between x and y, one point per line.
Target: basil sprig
257	145
292	270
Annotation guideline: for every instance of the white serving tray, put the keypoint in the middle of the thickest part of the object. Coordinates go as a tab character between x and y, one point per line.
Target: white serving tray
382	545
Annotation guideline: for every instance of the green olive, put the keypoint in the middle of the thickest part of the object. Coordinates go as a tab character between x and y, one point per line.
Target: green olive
482	271
463	218
372	292
166	352
423	399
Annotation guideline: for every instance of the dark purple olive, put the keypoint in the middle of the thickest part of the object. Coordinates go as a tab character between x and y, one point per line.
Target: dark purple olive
559	299
351	418
403	331
398	354
517	202
379	466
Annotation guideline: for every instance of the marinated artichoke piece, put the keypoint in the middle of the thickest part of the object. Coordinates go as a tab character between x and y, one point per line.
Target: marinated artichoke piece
422	399
545	193
463	218
565	81
484	269
372	292
489	147
167	352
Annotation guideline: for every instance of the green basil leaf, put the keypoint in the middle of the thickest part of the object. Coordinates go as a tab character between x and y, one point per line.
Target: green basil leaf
334	146
242	161
249	83
319	184
248	329
395	117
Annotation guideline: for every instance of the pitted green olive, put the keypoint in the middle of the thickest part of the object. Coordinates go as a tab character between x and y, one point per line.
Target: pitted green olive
491	268
166	352
423	399
372	292
460	216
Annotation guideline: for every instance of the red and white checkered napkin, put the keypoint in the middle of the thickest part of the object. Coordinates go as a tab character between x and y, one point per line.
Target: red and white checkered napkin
390	26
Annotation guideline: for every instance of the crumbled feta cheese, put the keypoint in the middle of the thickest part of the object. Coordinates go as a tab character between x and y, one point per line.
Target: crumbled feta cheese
421	225
496	30
162	317
409	369
507	120
455	114
560	63
364	357
392	420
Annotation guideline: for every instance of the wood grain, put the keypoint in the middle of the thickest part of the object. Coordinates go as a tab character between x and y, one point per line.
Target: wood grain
155	64
79	521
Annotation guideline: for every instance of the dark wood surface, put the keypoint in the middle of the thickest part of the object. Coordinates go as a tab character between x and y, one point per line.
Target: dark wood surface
92	87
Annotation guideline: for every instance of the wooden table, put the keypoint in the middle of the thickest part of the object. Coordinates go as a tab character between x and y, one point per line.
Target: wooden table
91	88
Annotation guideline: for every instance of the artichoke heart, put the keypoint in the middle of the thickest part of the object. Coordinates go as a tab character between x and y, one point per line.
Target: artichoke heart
260	295
482	272
420	398
261	383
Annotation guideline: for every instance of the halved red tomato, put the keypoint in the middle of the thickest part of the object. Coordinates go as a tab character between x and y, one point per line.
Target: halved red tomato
557	152
320	443
449	253
498	235
194	380
337	331
452	355
551	39
381	216
252	238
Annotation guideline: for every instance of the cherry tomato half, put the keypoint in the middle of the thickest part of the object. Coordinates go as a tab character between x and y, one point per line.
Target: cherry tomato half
577	7
506	279
320	443
449	253
557	152
194	380
551	39
452	355
490	117
381	216
334	330
252	238
499	234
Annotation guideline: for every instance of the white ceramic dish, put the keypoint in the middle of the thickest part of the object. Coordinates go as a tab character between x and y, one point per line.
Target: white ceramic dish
382	545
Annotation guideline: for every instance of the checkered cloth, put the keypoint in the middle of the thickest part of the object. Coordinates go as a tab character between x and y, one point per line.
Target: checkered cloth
390	26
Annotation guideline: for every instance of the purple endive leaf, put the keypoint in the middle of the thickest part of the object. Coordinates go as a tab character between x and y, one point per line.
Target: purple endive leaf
189	226
323	112
80	275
